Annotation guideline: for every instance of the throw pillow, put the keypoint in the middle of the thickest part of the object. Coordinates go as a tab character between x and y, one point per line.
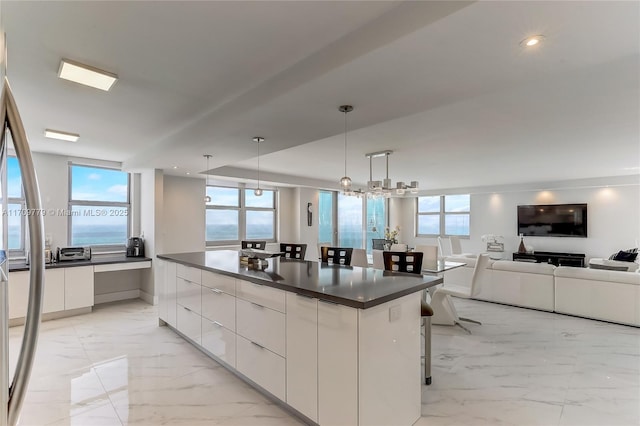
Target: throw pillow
625	256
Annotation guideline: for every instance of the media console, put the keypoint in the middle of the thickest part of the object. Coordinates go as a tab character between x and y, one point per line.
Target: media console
554	258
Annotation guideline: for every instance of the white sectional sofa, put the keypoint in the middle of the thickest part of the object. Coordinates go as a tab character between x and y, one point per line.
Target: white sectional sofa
521	284
592	293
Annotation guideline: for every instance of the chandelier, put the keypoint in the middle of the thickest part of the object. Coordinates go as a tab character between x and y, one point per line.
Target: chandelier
383	188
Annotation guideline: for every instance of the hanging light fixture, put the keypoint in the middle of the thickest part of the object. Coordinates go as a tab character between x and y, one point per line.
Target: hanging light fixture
345	182
385	188
258	191
207	198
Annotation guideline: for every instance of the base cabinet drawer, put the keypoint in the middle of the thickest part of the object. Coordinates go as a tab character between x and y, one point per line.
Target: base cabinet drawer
272	298
219	341
190	274
219	306
264	367
261	325
189	324
188	294
220	282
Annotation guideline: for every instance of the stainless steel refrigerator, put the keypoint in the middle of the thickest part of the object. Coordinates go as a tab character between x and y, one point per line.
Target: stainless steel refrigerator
13	390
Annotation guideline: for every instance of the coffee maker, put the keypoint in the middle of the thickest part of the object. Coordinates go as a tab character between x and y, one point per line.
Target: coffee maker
135	247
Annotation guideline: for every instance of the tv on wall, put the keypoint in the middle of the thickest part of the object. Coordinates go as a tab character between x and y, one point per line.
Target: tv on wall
553	220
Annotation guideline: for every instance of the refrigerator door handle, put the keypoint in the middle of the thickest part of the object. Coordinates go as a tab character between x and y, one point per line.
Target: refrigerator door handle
12	121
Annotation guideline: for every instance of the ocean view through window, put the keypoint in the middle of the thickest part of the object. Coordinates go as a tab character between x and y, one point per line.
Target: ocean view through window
443	215
235	214
99	206
15	206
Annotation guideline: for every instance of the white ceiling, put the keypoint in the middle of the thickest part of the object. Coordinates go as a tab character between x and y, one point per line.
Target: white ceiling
445	85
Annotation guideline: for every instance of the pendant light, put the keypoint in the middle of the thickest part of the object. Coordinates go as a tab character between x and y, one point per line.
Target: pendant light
345	182
207	198
258	191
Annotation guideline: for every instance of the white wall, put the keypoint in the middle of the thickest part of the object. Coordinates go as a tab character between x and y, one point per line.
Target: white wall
183	227
613	218
301	232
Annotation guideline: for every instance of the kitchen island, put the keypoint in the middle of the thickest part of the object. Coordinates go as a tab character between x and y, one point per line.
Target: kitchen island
337	344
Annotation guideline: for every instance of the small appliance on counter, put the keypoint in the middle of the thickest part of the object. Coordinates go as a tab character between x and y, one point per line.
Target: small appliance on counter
66	254
48	257
135	247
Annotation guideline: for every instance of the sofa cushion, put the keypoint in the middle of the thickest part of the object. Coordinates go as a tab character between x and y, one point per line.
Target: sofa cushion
612	265
598	275
526	267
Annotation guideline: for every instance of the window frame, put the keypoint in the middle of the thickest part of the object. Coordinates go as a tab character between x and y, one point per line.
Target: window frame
442	215
22	251
242	210
98	248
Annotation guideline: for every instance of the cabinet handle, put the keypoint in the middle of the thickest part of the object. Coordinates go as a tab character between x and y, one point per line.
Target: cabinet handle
218	324
305	296
258	306
258	345
216	291
328	302
184	307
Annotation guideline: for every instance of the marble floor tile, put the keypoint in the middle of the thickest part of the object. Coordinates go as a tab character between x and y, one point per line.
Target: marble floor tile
116	366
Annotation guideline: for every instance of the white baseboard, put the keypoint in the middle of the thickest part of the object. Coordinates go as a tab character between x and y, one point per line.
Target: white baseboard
152	300
118	295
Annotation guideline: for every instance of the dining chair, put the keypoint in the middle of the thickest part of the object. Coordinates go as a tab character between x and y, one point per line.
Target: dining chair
399	247
440	247
359	258
444	310
402	261
379	243
430	253
336	255
320	245
412	262
378	259
293	251
258	245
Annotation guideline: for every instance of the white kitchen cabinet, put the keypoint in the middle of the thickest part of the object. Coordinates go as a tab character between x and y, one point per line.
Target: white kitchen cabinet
78	287
18	294
219	307
219	340
190	274
189	294
262	366
269	297
219	282
261	325
337	364
302	354
189	323
54	290
160	275
170	282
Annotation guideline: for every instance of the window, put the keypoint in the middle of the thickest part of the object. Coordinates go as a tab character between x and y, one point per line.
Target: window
16	205
235	214
443	215
351	219
98	206
326	220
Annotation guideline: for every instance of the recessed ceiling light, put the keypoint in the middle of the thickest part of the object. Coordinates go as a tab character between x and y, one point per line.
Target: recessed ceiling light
87	75
188	173
63	136
175	167
532	41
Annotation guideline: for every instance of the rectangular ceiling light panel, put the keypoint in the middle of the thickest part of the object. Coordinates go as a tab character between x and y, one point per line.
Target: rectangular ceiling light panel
87	75
63	136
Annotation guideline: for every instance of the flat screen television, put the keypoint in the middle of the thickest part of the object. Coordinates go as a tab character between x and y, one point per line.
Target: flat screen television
553	220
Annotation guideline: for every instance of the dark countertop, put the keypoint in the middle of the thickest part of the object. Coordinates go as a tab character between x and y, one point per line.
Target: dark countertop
346	285
95	260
